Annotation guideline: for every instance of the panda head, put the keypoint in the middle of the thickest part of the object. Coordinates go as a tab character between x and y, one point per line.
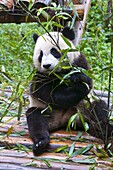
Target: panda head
47	52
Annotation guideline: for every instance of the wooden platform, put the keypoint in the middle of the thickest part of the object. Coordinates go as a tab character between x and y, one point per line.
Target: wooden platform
15	144
19	13
16	152
15	149
11	12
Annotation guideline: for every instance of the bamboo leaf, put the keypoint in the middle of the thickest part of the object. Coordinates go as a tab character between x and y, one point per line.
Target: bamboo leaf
47	163
6	111
72	149
71	120
85	124
100	152
62	148
85	161
11	128
82	150
66	41
19	110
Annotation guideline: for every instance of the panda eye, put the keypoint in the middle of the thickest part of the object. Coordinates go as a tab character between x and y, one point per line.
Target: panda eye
40	56
55	53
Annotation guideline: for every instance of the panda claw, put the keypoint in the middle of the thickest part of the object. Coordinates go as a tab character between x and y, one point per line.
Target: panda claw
36	145
40	143
40	146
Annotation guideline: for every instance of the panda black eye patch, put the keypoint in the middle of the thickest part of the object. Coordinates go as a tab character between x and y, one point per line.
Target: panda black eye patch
55	53
40	56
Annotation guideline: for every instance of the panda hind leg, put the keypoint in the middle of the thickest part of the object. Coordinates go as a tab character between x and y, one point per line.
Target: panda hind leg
98	119
38	129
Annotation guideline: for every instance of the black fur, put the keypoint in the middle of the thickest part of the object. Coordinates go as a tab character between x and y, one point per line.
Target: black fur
61	98
96	115
55	53
81	62
38	129
35	37
59	95
63	101
68	33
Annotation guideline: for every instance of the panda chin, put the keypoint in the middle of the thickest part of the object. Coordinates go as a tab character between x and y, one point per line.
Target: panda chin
50	70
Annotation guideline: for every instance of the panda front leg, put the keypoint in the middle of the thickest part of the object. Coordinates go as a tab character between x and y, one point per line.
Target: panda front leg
38	129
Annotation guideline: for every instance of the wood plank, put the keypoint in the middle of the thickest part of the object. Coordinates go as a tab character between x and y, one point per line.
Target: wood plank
6	3
20	16
80	25
77	1
24	159
21	159
4	166
40	164
54	143
57	160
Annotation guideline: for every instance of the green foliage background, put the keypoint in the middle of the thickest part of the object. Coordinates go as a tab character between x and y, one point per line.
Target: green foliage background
97	42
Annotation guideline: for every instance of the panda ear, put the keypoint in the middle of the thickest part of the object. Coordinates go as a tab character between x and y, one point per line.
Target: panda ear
68	33
35	37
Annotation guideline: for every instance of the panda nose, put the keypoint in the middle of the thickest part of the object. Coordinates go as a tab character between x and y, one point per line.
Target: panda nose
46	66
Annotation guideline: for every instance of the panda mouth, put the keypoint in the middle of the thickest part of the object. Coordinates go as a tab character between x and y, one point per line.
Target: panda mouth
48	67
51	69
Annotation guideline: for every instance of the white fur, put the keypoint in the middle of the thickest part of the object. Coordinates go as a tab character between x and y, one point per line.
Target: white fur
36	103
49	59
92	96
45	44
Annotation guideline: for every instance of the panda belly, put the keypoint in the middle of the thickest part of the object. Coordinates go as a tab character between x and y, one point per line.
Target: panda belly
55	118
59	118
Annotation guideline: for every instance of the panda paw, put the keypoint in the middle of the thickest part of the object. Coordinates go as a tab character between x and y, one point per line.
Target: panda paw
39	146
81	77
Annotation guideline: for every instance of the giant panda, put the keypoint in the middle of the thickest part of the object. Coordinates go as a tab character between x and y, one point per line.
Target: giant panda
60	89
